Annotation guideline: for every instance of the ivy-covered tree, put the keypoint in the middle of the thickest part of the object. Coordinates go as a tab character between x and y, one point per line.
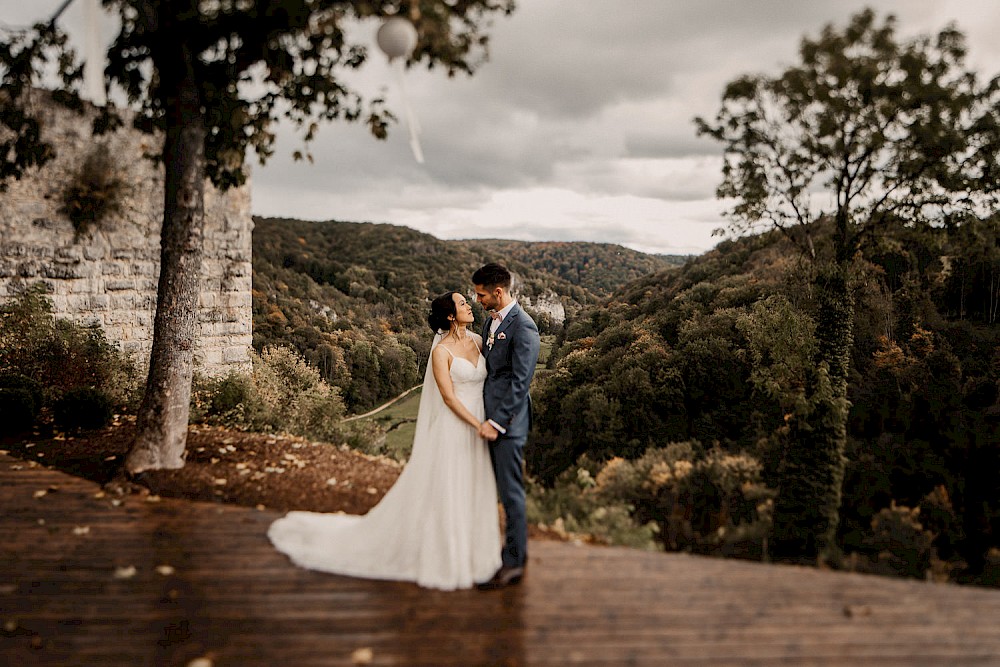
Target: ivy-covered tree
214	76
868	130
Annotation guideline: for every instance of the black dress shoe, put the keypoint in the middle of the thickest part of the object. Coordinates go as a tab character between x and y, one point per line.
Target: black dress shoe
505	576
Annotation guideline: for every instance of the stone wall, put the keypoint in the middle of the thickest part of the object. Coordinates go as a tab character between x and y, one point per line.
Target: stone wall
107	275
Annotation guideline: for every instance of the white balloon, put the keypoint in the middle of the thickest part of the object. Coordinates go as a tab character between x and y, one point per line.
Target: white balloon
396	37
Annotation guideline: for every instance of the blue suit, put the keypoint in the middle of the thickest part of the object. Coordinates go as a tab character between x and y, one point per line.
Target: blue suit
510	365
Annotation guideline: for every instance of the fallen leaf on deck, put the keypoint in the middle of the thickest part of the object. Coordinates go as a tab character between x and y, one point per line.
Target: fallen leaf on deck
81	530
363	656
125	572
165	570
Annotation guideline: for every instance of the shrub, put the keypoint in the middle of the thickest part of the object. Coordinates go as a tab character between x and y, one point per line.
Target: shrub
59	355
283	394
938	516
11	380
94	192
83	408
902	544
18	410
712	502
571	506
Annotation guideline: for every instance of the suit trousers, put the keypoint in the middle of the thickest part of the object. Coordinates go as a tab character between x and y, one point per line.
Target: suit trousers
507	454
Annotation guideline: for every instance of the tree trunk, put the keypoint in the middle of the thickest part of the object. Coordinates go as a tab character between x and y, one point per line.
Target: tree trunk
161	429
807	510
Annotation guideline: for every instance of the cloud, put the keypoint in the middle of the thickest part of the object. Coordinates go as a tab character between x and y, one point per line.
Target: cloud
578	128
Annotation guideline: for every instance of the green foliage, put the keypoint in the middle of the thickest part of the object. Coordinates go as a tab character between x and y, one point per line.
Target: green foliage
732	358
600	268
94	192
902	544
302	47
18	410
689	500
897	134
22	57
615	395
970	279
59	355
811	475
215	78
282	394
889	128
14	380
353	298
83	408
570	506
781	343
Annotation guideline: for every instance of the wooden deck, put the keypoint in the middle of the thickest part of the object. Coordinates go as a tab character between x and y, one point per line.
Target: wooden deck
68	597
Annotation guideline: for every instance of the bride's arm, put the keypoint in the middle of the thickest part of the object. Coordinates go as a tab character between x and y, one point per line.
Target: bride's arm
439	363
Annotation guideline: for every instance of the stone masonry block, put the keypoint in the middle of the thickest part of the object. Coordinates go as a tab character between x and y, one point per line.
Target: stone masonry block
110	279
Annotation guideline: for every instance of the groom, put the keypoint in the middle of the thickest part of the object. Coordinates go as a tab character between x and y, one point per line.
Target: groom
511	351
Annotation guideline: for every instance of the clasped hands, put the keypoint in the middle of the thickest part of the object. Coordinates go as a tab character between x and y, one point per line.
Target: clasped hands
488	431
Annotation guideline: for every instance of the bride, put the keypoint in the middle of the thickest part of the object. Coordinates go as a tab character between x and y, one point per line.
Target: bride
438	525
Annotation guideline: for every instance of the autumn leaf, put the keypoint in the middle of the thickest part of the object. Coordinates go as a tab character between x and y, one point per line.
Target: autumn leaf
363	656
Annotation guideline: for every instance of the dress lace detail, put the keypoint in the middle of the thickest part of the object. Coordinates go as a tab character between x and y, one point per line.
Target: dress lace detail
437	525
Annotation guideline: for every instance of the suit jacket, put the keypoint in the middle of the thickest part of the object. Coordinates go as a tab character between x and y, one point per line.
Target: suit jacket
510	365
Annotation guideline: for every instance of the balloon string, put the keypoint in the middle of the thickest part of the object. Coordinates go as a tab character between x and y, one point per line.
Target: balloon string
93	69
411	118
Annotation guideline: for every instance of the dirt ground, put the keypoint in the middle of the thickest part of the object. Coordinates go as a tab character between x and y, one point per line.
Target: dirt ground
278	472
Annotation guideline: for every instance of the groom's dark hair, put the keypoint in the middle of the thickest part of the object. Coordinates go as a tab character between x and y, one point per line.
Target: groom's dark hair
492	275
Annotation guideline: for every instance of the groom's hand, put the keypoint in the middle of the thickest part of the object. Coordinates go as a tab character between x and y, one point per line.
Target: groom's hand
487	431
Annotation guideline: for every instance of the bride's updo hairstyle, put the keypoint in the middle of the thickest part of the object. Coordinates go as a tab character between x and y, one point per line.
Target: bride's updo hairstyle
441	308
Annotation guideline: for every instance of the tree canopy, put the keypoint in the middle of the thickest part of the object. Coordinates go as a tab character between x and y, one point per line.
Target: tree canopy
255	63
865	128
215	76
868	131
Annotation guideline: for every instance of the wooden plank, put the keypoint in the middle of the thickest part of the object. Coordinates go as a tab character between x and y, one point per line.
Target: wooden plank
231	597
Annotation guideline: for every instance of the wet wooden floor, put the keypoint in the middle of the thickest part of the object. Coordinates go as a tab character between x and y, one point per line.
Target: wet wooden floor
84	581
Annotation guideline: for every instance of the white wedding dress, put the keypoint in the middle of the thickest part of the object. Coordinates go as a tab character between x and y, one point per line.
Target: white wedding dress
437	526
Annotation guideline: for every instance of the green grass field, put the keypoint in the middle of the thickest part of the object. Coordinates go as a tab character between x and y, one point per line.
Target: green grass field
399	420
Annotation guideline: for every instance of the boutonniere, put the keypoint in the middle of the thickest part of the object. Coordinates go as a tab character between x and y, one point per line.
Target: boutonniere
502	336
490	340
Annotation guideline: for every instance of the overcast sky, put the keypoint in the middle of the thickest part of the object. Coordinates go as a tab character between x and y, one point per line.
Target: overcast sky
579	128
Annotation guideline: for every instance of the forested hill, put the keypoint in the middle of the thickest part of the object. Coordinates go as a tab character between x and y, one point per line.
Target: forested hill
720	355
352	297
599	267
